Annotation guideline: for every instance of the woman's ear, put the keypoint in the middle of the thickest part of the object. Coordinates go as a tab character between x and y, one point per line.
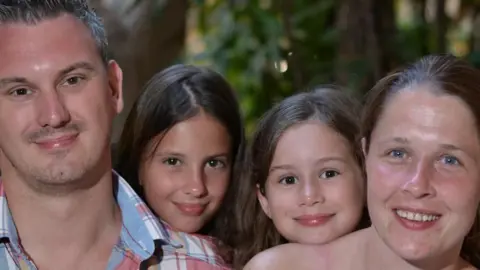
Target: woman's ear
263	201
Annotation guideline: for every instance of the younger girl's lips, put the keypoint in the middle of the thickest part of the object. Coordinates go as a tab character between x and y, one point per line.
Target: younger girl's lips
314	220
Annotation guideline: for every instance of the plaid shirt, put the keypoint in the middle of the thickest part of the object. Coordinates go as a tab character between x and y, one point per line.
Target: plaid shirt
145	243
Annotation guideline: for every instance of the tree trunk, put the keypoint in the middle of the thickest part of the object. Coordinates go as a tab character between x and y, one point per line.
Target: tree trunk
293	60
352	25
386	34
143	42
367	37
441	26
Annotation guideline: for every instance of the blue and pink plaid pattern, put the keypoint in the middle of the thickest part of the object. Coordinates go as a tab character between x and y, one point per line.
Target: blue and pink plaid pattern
145	242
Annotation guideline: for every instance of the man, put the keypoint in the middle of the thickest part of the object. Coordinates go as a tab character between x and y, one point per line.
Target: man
61	205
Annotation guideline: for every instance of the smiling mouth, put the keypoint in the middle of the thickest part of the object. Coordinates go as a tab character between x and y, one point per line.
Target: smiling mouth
416	220
313	220
416	216
189	209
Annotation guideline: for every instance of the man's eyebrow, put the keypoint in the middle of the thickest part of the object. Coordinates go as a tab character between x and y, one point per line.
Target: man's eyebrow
63	72
9	80
79	65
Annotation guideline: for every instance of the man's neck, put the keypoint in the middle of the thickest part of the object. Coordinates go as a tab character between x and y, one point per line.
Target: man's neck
71	226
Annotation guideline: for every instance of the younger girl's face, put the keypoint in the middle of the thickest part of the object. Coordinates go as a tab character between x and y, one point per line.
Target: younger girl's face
186	178
314	192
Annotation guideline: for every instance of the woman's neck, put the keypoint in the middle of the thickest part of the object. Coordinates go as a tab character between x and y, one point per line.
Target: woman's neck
378	255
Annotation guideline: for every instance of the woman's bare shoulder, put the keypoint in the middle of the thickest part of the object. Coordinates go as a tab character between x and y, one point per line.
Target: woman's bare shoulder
288	256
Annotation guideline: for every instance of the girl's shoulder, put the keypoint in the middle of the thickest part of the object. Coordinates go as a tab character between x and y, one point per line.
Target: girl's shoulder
289	256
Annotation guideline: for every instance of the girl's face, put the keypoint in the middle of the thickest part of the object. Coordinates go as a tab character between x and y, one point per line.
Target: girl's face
186	178
314	192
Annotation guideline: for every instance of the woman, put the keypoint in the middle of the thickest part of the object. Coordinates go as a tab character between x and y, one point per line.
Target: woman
421	143
303	182
179	149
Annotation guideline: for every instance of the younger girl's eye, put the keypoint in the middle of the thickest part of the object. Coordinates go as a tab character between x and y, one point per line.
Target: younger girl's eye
288	180
329	174
172	161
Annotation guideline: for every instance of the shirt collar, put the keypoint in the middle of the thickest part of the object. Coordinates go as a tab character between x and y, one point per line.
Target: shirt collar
143	227
7	227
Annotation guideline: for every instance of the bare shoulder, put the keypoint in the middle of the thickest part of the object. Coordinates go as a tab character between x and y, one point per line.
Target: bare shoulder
269	259
289	256
312	257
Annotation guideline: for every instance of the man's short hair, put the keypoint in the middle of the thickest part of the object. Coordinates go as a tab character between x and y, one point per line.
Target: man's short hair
35	11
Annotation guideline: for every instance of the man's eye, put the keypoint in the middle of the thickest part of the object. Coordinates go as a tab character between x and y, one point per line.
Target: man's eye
73	80
20	92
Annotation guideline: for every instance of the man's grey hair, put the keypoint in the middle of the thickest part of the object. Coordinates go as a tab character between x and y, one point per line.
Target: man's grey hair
35	11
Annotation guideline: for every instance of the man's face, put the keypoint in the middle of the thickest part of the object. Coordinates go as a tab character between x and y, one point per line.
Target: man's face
57	103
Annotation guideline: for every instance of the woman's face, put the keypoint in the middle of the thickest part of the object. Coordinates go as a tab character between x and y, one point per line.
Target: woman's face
185	180
314	192
423	185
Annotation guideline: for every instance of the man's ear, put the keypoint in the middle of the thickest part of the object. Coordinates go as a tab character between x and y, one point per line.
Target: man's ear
115	83
263	201
364	147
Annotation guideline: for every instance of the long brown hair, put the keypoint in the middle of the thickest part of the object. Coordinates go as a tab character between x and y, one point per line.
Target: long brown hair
252	230
171	96
450	76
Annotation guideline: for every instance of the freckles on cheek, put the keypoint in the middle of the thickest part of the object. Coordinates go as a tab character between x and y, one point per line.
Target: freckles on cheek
453	189
381	178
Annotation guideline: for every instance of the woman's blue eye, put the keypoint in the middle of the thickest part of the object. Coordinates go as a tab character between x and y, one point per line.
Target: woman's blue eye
450	160
397	154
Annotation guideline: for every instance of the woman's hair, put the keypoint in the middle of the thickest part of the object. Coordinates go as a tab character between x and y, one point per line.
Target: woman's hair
252	230
449	75
171	96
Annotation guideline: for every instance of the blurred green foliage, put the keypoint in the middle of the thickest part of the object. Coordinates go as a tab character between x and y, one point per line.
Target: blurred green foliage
270	49
247	41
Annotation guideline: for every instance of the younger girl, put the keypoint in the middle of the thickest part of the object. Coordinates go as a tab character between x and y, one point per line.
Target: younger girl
303	178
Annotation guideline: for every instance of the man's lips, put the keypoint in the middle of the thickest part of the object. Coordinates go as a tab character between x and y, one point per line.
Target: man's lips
56	142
